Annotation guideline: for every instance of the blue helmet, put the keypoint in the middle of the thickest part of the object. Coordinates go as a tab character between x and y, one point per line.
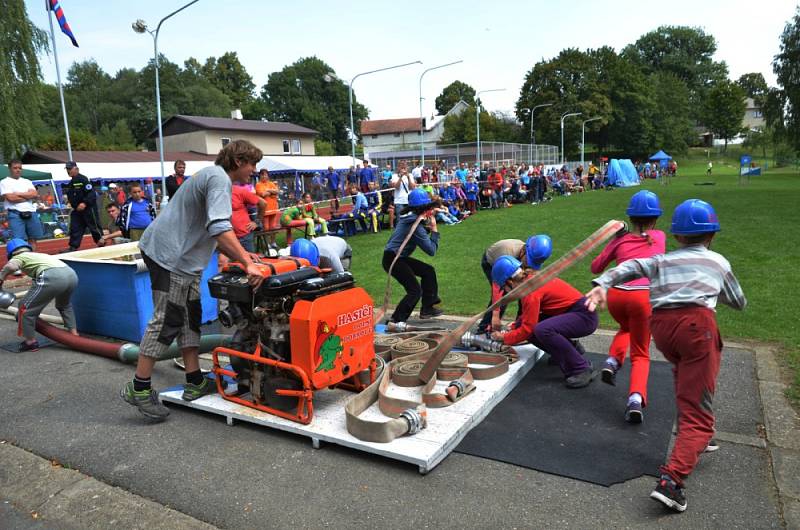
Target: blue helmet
537	250
504	268
418	197
694	216
644	204
16	244
303	248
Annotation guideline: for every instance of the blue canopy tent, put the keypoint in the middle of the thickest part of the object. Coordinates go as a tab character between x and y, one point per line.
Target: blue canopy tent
661	155
621	173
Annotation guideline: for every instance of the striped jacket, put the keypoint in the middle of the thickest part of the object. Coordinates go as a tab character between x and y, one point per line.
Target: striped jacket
692	275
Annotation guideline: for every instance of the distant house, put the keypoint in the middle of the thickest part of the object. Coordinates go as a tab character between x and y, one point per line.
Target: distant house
753	115
200	134
403	133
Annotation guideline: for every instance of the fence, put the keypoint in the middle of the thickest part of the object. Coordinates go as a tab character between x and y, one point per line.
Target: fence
493	153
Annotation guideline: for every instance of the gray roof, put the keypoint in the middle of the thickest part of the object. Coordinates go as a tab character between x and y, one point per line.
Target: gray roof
180	124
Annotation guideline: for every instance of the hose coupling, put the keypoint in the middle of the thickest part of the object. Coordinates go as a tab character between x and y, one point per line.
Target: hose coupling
414	420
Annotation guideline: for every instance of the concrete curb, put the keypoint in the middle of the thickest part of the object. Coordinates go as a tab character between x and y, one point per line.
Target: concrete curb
783	434
69	499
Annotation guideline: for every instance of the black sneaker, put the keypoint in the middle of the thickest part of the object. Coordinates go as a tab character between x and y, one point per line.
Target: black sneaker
609	374
580	380
145	401
633	413
712	446
25	346
431	313
668	493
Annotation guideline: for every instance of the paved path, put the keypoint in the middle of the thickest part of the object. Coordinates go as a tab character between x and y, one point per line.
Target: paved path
194	469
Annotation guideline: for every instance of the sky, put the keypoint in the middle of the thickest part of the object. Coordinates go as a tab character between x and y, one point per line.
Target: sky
499	41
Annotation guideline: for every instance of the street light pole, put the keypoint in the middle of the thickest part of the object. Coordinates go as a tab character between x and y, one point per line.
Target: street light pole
478	120
422	127
564	116
533	134
350	101
140	27
583	135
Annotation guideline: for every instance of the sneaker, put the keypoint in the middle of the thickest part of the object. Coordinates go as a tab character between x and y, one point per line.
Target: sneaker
712	446
633	413
25	346
668	493
609	374
192	392
581	379
431	313
146	401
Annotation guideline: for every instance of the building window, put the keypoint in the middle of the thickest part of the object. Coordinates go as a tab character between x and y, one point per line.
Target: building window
374	136
295	146
286	147
225	141
397	135
758	114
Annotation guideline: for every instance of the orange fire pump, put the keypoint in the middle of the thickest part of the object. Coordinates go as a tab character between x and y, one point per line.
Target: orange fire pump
303	330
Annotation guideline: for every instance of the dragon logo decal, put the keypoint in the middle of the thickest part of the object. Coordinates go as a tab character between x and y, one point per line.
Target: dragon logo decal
328	347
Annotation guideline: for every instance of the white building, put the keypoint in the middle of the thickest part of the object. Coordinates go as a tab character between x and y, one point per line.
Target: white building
403	133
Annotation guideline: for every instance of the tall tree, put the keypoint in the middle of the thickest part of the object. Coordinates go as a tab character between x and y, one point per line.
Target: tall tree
229	75
452	94
308	93
88	87
495	127
683	51
724	110
788	74
672	125
20	76
754	86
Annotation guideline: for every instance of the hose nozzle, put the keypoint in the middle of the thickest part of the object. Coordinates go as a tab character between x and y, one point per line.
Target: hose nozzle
482	342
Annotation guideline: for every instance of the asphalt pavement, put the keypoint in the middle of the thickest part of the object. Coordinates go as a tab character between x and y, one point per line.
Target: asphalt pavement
61	408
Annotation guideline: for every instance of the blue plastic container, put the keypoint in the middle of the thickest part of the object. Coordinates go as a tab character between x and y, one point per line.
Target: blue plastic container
114	296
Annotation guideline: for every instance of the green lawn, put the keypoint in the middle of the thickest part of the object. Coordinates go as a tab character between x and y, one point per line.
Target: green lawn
759	237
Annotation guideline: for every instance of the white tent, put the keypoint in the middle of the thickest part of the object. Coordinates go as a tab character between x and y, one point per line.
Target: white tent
305	164
118	170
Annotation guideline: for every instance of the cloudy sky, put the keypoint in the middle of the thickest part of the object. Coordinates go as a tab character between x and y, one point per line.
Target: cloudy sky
499	41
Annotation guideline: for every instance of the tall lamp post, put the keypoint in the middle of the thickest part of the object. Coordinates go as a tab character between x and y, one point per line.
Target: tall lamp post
350	100
563	117
478	119
583	135
421	126
533	134
141	27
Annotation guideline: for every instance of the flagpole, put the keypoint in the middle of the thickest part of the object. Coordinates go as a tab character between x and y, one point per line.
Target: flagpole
58	78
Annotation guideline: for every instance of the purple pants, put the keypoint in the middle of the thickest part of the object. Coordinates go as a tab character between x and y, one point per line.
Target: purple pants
553	333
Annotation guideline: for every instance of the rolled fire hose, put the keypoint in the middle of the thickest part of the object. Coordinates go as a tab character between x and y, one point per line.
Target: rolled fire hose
413	417
125	352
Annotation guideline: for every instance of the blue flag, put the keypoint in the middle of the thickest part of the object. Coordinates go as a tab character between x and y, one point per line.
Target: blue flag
62	21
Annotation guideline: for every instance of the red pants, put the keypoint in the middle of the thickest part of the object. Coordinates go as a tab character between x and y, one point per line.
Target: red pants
632	310
690	340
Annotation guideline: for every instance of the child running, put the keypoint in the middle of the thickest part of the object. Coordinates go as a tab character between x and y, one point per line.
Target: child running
685	286
565	316
629	303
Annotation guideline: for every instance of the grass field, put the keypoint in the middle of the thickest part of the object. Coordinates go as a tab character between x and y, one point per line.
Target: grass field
759	236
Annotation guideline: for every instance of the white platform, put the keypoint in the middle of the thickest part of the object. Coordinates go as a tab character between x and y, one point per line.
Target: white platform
446	426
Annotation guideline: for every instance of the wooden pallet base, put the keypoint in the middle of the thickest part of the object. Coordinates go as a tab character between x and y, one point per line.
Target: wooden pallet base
446	426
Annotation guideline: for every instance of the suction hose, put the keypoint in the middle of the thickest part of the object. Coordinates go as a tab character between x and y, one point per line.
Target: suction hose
125	352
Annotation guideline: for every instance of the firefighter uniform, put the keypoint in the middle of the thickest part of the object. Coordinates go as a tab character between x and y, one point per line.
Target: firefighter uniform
80	190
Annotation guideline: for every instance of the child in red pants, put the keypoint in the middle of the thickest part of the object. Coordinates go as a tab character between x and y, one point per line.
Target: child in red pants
629	303
684	288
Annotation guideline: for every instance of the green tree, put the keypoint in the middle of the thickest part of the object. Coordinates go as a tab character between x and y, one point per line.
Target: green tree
228	75
672	125
495	127
452	94
308	93
724	110
20	76
116	138
683	51
754	86
788	74
87	88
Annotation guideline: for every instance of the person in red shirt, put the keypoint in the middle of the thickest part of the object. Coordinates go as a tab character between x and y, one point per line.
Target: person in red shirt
495	183
243	225
565	318
629	303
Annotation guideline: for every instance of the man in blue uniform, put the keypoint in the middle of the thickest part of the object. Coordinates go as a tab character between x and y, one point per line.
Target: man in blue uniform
83	200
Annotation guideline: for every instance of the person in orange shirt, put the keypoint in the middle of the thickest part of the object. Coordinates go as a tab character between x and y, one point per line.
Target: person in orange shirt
268	190
565	318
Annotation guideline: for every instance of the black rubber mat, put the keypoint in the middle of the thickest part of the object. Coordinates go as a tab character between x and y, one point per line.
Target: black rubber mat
580	433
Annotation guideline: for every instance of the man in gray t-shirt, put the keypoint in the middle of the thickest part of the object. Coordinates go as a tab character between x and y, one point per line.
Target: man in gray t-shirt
334	253
176	248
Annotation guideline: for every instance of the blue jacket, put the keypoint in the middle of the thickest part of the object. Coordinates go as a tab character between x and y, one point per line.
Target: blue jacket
428	243
333	180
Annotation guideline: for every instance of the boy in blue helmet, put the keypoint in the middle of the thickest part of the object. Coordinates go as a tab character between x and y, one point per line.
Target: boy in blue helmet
685	286
52	279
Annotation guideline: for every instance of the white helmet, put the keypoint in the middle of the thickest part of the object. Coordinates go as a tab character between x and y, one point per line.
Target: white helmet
58	233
